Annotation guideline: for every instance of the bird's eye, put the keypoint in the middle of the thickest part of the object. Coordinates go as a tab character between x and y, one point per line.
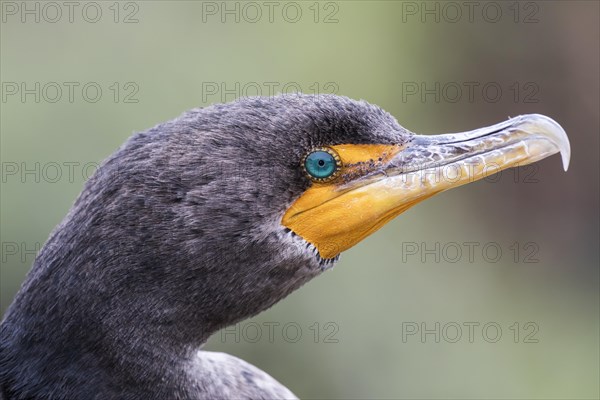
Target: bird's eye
322	164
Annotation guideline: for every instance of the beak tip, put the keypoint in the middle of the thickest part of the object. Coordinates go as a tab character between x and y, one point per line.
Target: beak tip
555	133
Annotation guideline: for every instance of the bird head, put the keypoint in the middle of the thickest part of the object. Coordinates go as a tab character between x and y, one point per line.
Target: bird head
210	218
332	171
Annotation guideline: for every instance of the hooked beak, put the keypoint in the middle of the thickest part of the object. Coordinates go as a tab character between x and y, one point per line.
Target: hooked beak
368	194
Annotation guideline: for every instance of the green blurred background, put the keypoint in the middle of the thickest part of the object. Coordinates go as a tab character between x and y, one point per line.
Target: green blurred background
543	56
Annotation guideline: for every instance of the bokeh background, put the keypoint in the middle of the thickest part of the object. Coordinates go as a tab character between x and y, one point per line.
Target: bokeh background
154	59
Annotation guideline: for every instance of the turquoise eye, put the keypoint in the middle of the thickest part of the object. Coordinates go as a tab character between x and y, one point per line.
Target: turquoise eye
322	164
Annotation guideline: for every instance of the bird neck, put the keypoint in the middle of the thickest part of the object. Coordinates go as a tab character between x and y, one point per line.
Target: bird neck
74	319
137	315
128	287
53	335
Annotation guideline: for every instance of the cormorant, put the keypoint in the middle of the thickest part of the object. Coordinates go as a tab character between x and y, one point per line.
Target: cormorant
213	217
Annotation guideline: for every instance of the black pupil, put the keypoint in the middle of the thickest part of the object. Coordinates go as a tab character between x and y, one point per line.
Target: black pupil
321	163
